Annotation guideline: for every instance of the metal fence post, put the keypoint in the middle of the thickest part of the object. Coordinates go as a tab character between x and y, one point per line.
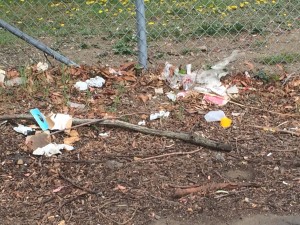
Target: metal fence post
141	32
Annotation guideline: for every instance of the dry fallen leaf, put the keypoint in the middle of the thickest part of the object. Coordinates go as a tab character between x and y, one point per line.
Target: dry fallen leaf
12	73
144	98
249	65
74	136
58	189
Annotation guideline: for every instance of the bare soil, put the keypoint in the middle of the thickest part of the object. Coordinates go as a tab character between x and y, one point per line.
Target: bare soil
104	180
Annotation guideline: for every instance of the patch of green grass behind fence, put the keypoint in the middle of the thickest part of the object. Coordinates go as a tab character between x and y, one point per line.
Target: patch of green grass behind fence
173	19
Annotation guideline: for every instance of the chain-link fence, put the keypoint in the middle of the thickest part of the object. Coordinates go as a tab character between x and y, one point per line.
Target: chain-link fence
186	31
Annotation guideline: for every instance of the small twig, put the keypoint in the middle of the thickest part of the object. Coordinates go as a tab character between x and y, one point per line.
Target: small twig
169	154
287	78
275	129
120	223
70	200
264	110
183	186
76	185
4	122
288	150
46	56
80	161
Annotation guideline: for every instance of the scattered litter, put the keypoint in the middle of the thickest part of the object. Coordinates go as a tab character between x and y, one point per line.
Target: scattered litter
269	154
160	114
95	82
114	72
41	67
14	82
39	118
59	121
285	183
52	149
232	90
76	105
106	134
181	94
159	90
214	116
172	96
2	76
38	140
205	81
225	122
142	123
218	100
23	129
81	86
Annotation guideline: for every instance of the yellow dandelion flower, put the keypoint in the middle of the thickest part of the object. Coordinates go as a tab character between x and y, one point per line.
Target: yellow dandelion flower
232	7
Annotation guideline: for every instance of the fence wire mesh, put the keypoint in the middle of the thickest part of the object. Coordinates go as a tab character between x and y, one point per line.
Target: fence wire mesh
185	31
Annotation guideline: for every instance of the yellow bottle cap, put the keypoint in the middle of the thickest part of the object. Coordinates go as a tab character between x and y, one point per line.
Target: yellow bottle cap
225	122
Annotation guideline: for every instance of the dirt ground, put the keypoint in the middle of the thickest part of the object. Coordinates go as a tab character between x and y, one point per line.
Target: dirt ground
199	52
132	178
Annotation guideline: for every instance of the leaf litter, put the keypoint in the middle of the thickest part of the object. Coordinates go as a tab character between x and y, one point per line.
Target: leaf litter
142	188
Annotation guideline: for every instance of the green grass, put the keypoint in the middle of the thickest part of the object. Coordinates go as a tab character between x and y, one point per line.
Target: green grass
175	20
280	58
7	38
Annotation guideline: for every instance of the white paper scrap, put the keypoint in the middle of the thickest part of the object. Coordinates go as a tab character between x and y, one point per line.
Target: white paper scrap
81	86
23	129
95	82
60	121
160	114
52	149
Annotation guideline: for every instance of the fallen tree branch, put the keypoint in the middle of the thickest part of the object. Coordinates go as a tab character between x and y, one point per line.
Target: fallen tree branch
206	189
190	138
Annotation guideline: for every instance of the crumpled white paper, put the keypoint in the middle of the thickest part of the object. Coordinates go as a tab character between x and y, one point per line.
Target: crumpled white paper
81	86
142	123
23	129
172	96
160	114
52	149
93	82
2	76
60	121
41	67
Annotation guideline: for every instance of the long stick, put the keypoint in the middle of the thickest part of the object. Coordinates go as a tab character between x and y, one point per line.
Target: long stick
190	138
